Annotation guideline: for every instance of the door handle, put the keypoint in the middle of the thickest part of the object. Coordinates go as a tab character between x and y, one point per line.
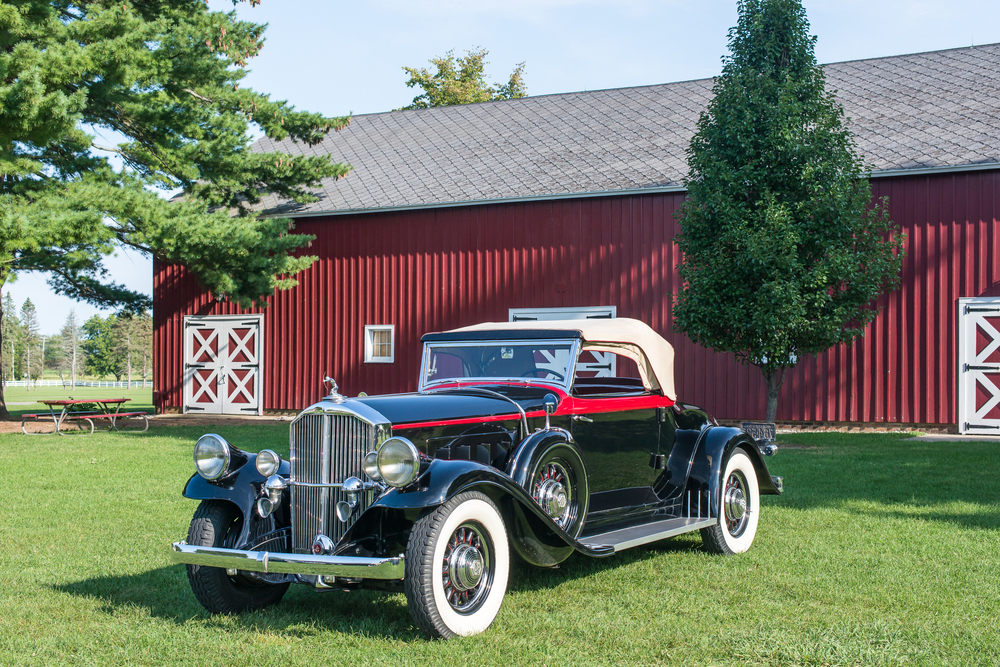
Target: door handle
582	418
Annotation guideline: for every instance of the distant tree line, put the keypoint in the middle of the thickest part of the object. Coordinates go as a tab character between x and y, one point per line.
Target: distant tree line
119	345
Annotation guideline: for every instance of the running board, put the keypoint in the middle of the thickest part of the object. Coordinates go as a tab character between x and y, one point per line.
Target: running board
626	538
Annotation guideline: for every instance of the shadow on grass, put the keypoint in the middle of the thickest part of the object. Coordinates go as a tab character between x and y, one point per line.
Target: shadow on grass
525	577
164	594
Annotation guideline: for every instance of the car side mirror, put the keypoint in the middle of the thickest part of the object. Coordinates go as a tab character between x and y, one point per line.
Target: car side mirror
551	402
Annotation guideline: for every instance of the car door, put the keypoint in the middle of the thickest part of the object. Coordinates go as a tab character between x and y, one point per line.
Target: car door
618	433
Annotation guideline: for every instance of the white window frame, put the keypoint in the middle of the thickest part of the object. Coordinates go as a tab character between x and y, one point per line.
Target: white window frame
370	357
572	313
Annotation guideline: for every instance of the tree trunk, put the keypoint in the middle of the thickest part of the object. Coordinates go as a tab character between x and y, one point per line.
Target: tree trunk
128	358
774	381
28	346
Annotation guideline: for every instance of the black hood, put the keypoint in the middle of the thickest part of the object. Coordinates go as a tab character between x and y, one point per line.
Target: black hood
448	404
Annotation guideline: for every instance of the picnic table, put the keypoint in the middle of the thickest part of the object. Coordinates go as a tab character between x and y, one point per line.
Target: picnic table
80	413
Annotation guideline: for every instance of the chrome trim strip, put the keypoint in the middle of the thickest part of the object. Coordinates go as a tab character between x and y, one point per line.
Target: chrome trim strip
349	407
366	486
281	563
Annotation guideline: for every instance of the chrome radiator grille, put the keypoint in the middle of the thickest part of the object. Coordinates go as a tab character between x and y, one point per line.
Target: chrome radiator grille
326	449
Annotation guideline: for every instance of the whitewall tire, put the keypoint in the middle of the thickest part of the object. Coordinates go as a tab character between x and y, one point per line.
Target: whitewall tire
739	508
457	565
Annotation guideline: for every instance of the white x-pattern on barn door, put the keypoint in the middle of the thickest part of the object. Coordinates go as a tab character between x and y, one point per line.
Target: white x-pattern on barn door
223	362
979	365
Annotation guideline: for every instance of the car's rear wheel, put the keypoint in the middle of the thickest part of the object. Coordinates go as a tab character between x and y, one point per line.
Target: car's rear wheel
457	564
558	483
217	523
739	508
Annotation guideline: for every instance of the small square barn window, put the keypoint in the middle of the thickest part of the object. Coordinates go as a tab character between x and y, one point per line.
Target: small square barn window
379	343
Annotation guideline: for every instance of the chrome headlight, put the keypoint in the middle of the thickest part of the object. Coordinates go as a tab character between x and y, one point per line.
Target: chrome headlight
211	456
398	461
268	462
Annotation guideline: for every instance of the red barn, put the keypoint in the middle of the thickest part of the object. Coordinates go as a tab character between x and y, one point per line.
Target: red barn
566	205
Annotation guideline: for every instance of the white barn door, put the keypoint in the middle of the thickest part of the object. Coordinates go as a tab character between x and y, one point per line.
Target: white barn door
979	365
223	364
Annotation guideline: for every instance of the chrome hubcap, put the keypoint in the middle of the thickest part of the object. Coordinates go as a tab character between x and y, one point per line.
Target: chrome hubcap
552	497
552	492
735	501
465	567
736	504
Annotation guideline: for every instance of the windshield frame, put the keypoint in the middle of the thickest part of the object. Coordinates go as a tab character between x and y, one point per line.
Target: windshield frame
564	384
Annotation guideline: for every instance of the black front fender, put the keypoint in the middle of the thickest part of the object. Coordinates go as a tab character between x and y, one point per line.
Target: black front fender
241	488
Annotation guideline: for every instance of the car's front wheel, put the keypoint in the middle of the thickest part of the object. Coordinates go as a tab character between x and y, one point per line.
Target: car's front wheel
739	508
457	564
217	523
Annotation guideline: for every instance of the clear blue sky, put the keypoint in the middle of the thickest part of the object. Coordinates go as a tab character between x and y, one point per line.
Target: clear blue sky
335	57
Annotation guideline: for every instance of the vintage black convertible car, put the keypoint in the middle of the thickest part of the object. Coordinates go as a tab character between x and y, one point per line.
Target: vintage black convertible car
545	438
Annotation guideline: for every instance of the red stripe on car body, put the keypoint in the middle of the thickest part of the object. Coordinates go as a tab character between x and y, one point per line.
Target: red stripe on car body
568	405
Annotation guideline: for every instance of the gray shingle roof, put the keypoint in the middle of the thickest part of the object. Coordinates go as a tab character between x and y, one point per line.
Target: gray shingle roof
939	109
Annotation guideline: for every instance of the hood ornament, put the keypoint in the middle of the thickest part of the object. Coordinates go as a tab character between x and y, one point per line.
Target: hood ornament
333	396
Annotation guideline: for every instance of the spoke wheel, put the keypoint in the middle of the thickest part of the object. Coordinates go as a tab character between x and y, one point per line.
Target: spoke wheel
739	508
559	485
217	523
467	567
457	564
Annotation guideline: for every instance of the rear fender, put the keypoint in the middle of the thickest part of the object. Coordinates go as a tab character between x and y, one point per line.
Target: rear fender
716	445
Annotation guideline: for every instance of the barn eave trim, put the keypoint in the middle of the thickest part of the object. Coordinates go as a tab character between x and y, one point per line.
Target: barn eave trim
665	189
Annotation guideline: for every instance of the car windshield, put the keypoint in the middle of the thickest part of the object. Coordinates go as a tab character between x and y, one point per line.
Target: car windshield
495	360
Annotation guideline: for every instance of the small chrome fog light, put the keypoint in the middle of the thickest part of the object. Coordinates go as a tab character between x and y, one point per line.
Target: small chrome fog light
370	465
268	462
211	456
398	461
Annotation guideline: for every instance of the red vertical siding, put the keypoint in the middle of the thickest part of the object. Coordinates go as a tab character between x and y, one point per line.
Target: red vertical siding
436	269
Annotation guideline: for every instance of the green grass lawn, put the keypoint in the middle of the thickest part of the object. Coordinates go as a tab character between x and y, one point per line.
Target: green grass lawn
881	552
141	399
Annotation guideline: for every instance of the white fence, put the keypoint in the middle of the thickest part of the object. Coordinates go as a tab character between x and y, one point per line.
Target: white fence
135	384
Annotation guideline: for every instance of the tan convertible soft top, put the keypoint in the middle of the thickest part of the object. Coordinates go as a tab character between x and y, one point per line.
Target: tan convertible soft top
623	335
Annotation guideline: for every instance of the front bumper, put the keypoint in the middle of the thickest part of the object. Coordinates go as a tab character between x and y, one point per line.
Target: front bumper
282	563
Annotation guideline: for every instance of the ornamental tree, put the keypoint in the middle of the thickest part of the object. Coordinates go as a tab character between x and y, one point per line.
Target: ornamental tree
461	81
98	346
783	251
104	107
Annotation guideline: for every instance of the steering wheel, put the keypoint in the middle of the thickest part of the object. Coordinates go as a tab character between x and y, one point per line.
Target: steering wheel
534	372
